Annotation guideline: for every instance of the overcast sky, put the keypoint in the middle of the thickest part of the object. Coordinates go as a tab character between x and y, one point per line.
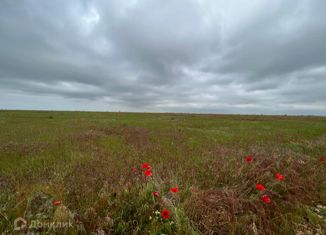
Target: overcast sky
208	56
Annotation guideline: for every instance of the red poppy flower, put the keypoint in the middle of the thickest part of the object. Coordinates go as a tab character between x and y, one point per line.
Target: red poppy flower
249	158
174	190
156	194
145	166
279	176
265	198
148	173
135	170
165	214
321	159
56	203
260	187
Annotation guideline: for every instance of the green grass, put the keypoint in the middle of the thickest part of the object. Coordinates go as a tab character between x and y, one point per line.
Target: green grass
86	160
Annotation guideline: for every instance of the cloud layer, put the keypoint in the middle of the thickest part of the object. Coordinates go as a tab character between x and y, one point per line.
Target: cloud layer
179	56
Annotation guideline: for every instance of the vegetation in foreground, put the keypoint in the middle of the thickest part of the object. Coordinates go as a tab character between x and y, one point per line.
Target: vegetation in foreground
79	172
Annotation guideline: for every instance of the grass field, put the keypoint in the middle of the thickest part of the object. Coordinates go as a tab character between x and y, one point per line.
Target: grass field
90	163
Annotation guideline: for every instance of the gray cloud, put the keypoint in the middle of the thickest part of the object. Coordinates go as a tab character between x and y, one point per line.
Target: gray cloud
180	56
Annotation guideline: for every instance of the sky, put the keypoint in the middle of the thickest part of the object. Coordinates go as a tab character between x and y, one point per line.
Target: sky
197	56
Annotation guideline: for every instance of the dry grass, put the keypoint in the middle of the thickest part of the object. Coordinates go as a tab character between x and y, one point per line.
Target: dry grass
22	149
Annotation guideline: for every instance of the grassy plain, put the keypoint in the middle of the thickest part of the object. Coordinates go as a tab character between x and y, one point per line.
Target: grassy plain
86	160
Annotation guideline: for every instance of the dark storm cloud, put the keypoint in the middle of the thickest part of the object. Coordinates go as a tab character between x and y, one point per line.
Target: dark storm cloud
146	55
290	39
